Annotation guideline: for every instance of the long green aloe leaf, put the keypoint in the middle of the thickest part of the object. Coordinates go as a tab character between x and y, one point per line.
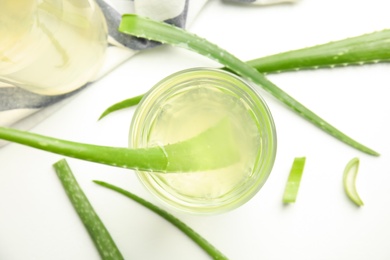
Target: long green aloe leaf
165	33
359	50
95	227
198	239
195	154
367	48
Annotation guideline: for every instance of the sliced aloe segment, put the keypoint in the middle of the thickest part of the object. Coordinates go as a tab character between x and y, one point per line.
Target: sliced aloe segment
349	181
294	180
153	30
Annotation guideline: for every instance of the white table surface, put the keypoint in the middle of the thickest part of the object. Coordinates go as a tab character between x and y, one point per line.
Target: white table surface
38	222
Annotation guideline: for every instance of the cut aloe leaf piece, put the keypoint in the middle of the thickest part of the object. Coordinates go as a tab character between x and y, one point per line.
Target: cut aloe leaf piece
95	227
158	31
294	180
349	181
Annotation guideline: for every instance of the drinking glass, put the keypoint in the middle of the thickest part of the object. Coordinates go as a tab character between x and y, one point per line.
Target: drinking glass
183	106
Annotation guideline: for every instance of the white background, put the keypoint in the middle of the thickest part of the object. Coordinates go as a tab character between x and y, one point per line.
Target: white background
38	222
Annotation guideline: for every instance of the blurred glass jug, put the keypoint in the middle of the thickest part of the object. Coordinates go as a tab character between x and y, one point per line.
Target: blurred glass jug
51	47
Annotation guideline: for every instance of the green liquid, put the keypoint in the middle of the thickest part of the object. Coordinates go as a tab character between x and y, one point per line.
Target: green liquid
191	112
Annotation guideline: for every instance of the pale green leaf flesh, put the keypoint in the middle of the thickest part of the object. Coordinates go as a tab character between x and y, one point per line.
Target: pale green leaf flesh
349	181
95	227
294	180
195	154
198	239
165	33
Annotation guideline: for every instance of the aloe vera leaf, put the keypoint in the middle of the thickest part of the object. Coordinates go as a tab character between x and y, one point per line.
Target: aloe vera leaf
158	31
349	181
367	48
95	227
194	154
294	180
122	105
359	50
198	239
143	159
